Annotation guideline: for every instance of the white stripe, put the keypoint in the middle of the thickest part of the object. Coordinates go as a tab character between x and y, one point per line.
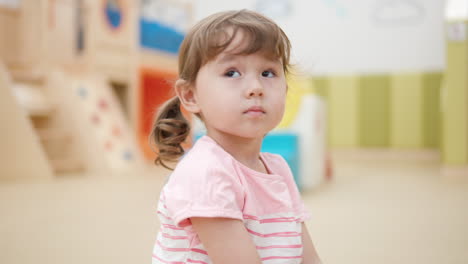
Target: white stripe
199	256
164	220
268	228
283	261
269	241
283	252
168	255
172	232
173	243
162	208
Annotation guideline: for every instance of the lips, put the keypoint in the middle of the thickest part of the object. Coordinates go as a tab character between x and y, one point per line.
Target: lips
255	110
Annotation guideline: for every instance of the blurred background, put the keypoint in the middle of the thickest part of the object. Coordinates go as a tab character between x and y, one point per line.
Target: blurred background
375	130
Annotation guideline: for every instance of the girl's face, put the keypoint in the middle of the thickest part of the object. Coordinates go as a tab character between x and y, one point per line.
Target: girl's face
240	95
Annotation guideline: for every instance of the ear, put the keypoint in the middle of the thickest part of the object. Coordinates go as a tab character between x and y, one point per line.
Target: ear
186	94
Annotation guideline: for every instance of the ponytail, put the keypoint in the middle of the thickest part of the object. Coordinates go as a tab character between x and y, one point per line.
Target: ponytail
169	131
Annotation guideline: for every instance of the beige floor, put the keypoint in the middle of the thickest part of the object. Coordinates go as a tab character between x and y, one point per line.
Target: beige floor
378	209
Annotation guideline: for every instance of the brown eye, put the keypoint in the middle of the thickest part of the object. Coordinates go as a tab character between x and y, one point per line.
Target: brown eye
232	73
268	74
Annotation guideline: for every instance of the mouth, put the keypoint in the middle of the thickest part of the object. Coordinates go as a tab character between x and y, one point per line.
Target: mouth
255	110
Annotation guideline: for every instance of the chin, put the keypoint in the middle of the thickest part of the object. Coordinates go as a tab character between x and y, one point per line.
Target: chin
248	133
255	135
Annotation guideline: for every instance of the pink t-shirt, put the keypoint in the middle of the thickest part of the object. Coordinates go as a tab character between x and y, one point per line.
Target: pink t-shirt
209	182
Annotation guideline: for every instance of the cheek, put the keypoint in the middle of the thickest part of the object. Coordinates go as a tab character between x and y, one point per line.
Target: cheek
277	109
217	109
280	99
279	105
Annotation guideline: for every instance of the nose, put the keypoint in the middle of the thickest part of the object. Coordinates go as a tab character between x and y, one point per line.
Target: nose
255	89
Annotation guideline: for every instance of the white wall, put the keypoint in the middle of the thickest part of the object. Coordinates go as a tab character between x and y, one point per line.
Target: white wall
456	10
363	36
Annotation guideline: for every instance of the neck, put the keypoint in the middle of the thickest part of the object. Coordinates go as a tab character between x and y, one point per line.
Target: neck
244	150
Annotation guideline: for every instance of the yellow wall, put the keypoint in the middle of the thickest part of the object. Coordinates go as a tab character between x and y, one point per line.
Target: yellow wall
398	110
455	104
343	111
406	128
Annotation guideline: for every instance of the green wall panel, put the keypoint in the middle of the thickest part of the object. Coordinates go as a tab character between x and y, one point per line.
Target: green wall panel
374	112
406	117
399	110
431	109
320	86
454	107
344	111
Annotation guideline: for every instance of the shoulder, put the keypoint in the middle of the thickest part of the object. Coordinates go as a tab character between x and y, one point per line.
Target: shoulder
206	159
275	158
276	163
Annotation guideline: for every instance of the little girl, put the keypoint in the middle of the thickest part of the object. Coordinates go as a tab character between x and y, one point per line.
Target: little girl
226	202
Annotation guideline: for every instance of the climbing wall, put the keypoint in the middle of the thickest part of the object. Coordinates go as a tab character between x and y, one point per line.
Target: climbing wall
106	142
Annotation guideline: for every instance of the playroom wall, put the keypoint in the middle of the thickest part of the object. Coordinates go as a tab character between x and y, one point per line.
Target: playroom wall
390	76
381	66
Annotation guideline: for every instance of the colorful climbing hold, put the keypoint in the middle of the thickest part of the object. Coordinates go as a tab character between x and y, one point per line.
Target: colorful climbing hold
116	132
108	146
127	155
95	119
103	105
82	92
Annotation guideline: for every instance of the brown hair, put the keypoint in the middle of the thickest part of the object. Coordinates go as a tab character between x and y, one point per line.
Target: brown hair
204	42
